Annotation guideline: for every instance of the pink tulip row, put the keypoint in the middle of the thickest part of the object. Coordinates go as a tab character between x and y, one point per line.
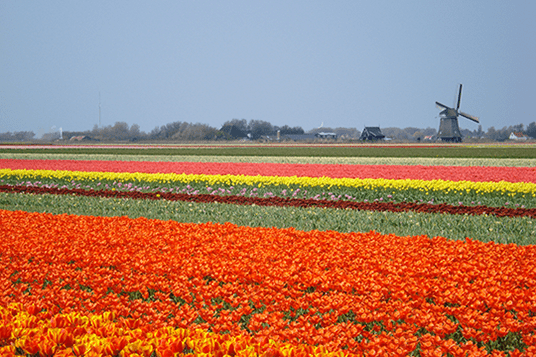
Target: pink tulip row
397	172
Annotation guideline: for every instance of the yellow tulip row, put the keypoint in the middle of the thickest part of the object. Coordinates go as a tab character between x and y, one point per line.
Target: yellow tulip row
35	331
525	188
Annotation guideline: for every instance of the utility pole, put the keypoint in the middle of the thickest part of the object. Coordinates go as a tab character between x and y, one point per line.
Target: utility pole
99	111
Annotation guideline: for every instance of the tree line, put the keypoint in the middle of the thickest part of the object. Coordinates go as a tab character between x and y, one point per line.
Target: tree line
234	129
253	129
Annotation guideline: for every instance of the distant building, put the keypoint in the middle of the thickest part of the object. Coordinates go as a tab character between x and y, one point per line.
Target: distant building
81	138
309	137
517	136
371	133
326	135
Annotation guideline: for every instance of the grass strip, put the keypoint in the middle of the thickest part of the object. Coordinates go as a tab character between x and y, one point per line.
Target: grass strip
518	230
431	151
424	161
282	201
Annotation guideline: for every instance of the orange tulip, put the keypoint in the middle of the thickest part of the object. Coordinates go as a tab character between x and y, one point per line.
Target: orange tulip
80	349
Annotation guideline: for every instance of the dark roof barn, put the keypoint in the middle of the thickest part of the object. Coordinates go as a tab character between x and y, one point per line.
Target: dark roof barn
371	133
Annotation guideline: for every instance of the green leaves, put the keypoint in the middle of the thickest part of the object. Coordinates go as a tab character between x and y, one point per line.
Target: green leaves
520	231
355	150
361	194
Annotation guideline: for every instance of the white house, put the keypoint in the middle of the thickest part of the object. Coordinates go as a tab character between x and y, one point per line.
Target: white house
517	136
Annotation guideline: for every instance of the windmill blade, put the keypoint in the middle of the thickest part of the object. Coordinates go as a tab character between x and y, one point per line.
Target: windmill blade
470	117
459	97
442	106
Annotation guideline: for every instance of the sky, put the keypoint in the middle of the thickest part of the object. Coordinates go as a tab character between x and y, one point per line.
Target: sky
298	63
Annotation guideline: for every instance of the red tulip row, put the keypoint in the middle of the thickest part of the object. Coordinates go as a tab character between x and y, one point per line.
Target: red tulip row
284	201
398	172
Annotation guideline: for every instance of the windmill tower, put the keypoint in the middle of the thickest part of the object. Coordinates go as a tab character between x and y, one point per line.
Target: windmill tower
448	125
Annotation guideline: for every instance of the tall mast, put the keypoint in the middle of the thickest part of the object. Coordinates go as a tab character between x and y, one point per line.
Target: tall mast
99	111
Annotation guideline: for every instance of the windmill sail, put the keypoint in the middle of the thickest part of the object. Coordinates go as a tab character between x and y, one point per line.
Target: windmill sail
441	106
470	117
459	98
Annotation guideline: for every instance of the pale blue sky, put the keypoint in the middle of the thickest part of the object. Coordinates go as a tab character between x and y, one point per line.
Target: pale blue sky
300	63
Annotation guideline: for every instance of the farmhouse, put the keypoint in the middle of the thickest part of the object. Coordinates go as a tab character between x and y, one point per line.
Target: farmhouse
310	137
517	136
323	135
371	133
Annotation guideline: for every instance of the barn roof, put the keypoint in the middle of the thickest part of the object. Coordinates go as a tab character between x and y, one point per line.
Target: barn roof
372	133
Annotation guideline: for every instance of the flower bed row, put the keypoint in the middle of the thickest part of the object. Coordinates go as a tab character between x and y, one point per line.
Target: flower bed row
363	190
485	228
364	292
390	172
367	293
283	201
403	161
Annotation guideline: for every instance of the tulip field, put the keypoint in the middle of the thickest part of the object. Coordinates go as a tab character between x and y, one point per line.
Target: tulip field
132	251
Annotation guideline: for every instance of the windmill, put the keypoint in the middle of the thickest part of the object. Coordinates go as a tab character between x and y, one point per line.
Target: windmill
448	125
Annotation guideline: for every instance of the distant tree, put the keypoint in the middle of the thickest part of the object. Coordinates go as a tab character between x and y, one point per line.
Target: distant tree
498	135
192	132
55	135
24	135
94	133
258	128
395	133
350	133
153	134
209	133
491	133
418	135
287	130
479	132
165	132
410	131
531	130
466	133
429	131
134	132
7	136
240	124
120	131
169	130
233	131
518	128
19	136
